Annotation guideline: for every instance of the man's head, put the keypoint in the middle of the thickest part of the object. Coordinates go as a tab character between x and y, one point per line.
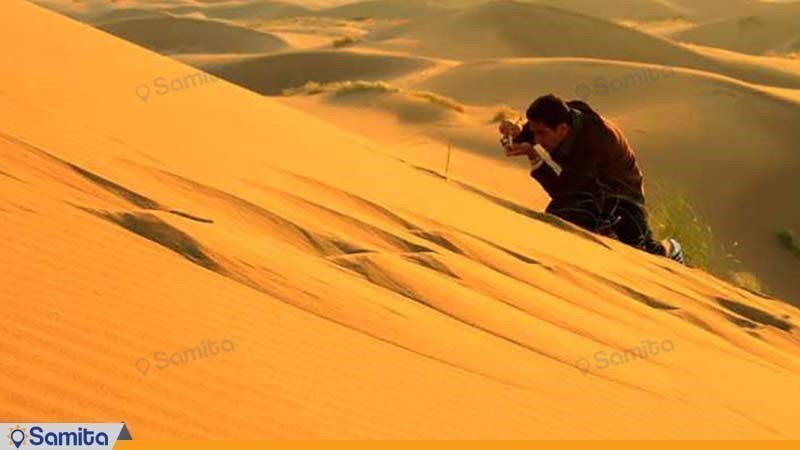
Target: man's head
549	121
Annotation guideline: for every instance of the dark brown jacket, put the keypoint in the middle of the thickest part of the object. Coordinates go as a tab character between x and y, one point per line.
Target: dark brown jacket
595	158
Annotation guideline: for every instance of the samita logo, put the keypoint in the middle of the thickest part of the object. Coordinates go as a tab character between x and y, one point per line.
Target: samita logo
17	436
71	435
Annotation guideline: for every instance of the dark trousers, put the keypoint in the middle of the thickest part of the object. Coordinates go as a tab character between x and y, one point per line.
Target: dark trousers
627	219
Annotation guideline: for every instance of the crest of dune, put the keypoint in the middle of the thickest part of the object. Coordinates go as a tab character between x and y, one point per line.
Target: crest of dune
513	29
353	294
189	35
384	9
764	28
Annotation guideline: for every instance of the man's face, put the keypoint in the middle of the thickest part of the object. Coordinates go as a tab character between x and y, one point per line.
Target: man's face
547	137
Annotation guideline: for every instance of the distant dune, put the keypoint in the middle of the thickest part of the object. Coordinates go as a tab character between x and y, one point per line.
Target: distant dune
170	35
384	9
710	9
514	80
75	10
127	14
643	10
503	29
769	28
640	10
513	29
762	70
248	11
271	74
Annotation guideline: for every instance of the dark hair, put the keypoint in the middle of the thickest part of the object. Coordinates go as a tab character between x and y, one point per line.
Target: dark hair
550	110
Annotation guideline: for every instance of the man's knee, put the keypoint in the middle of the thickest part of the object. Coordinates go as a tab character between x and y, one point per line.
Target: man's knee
578	210
634	229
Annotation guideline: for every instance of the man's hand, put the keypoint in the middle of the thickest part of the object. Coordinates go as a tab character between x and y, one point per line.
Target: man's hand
509	128
527	150
521	149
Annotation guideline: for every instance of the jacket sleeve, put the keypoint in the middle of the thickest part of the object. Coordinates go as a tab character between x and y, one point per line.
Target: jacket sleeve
544	174
579	174
546	177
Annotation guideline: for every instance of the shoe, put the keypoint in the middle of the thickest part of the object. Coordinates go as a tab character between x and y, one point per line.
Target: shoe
674	251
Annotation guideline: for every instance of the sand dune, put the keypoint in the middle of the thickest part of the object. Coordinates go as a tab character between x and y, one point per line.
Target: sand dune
509	29
127	14
610	82
769	28
249	11
171	35
641	10
503	29
704	9
92	10
758	67
76	9
384	9
361	296
272	74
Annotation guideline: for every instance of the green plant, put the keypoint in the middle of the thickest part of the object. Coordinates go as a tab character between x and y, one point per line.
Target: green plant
310	88
671	214
746	281
438	100
340	88
344	42
787	240
350	87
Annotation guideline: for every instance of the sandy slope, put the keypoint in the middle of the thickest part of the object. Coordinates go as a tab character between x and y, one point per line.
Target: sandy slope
422	134
170	35
363	297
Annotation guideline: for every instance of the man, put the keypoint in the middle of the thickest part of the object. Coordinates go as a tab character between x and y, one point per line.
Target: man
589	170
